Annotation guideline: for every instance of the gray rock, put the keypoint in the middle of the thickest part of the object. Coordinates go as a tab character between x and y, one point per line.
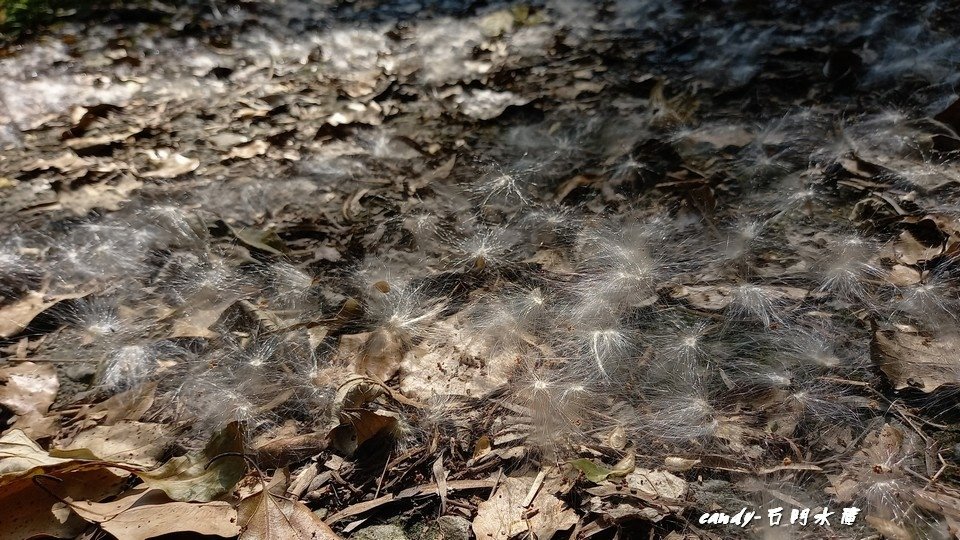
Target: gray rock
81	371
454	528
380	532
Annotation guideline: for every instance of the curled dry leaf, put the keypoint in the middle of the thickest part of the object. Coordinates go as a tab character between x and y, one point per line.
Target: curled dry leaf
353	421
202	476
248	150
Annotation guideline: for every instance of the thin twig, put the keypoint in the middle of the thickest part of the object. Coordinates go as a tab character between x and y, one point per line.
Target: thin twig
383	475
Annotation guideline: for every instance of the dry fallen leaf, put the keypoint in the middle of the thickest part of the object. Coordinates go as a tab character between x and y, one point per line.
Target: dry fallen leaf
660	484
271	515
917	361
483	104
15	317
888	529
248	150
38	426
280	451
717	297
134	443
264	240
131	405
169	164
148	513
504	515
31	511
108	196
28	388
879	463
100	144
496	23
645	494
908	250
679	464
353	421
19	456
202	476
196	320
453	368
65	163
376	354
719	136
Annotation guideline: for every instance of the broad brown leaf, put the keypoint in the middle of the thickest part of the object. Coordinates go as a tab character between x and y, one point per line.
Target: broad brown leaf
202	476
28	387
28	509
147	513
271	515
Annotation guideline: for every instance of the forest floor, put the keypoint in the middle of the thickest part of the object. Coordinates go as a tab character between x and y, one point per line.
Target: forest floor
449	270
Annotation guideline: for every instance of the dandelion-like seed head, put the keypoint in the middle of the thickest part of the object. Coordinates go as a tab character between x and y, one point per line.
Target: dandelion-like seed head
290	286
847	268
487	247
510	186
9	260
99	319
606	349
553	226
933	298
126	367
741	240
756	302
404	313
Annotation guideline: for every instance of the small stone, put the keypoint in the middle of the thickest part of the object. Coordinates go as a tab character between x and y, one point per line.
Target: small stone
380	532
81	371
454	528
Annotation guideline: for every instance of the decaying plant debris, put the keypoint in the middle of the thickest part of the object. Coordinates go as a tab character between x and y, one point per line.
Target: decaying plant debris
442	270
